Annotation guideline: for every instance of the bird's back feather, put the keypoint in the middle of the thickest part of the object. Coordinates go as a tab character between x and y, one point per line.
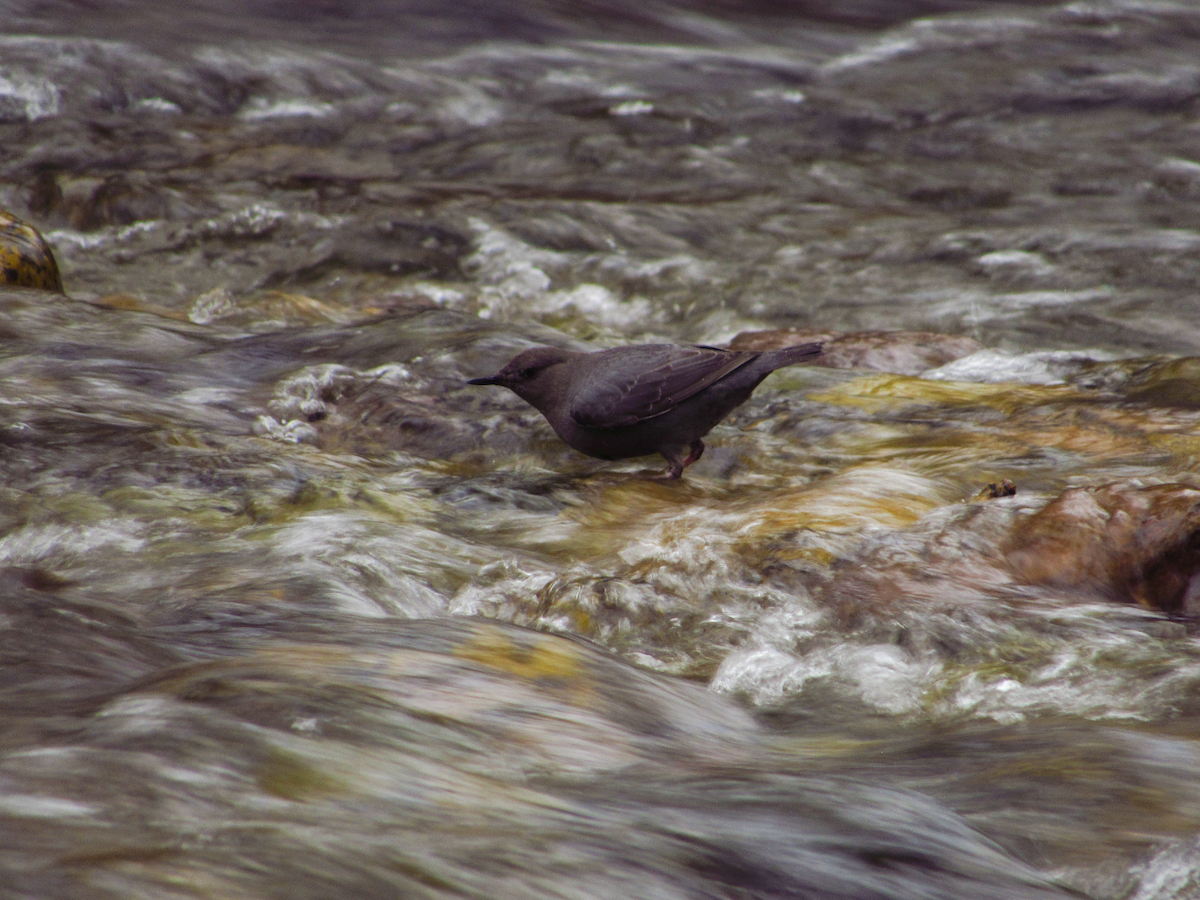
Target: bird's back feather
632	384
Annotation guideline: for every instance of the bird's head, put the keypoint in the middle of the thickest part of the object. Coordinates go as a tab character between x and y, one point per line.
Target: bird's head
531	373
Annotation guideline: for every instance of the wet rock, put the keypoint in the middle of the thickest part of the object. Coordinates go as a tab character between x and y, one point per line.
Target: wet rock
401	246
1119	541
89	203
1015	267
1174	383
377	412
943	565
45	194
960	196
264	310
395	248
122	200
997	489
25	258
902	352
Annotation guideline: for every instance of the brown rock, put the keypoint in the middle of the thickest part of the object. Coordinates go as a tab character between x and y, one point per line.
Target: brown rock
1123	542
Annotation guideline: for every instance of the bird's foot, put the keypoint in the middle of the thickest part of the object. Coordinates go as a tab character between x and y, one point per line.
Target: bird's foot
676	463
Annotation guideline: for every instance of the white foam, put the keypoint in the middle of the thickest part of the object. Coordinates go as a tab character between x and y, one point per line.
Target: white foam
925	35
631	108
34	543
470	106
1015	262
787	96
157	104
27	97
595	303
262	108
512	272
1171	874
996	366
373	566
877	51
33	806
881	675
290	431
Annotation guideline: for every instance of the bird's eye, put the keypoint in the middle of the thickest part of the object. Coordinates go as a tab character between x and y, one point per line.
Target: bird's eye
528	372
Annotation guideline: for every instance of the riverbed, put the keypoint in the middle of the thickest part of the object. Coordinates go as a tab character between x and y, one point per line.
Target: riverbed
290	609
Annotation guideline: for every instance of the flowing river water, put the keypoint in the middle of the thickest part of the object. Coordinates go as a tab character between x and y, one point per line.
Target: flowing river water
289	610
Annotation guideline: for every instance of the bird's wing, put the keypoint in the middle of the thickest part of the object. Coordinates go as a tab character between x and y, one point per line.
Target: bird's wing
648	380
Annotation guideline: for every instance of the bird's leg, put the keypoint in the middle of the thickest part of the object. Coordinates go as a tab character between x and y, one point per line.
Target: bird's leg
675	465
676	462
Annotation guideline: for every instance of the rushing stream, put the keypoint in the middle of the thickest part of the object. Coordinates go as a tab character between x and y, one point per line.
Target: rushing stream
289	610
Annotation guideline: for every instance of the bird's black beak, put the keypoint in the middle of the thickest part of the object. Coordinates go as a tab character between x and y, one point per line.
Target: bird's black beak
491	379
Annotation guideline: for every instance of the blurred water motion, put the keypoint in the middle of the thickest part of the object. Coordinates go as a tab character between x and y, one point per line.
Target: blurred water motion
288	610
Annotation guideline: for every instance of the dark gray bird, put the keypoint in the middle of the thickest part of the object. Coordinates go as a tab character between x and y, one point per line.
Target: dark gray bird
641	399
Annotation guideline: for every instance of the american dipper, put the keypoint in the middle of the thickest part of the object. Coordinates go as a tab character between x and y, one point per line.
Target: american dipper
641	399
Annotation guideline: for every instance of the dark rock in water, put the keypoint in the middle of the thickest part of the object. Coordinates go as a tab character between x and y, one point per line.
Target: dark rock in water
25	258
996	489
392	247
1173	383
121	199
641	399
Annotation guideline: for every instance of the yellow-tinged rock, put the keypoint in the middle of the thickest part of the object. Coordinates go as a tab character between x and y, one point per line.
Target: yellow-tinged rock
880	392
25	258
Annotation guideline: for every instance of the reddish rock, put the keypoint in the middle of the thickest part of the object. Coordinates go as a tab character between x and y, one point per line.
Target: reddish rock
1122	542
